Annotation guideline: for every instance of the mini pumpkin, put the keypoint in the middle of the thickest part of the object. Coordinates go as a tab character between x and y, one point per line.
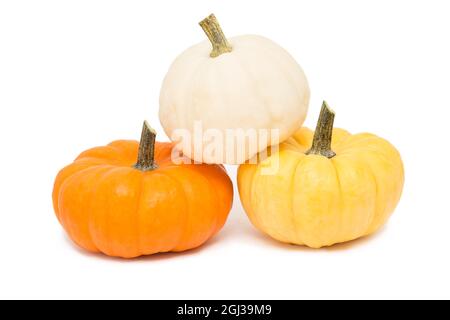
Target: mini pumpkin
323	192
108	203
246	83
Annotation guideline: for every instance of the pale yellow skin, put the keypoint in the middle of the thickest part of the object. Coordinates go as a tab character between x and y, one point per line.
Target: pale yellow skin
315	201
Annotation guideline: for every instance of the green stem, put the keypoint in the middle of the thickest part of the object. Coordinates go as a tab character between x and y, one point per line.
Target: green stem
321	144
215	34
146	154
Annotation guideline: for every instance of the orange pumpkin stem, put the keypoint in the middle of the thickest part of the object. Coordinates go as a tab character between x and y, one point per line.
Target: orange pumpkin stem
321	144
146	154
215	34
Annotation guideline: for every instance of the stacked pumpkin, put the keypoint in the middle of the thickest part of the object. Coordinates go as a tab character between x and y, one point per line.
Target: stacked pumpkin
129	199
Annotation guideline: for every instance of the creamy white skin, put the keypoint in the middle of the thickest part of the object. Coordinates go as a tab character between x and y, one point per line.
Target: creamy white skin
257	86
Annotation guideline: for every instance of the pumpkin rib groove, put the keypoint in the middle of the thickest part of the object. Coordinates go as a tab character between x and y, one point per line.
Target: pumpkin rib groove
176	108
214	191
134	177
272	117
383	214
186	213
218	73
298	235
89	207
204	179
266	221
216	218
192	91
57	186
88	166
341	200
105	220
368	169
134	217
257	89
375	209
287	75
138	215
62	187
253	193
68	182
283	73
368	154
92	233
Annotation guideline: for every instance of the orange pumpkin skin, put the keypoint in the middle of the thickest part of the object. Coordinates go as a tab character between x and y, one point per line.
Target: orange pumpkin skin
106	205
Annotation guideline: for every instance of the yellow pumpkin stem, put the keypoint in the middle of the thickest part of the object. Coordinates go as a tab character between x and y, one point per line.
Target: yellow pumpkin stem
215	34
146	154
323	135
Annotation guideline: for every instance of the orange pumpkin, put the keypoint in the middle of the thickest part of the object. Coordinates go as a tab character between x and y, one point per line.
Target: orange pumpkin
108	203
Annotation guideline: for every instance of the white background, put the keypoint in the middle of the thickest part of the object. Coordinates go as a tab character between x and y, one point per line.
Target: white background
76	74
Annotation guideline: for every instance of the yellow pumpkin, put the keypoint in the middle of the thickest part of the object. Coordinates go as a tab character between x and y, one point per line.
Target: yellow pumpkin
330	186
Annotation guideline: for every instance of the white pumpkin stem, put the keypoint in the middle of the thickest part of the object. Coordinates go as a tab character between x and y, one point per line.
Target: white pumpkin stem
215	34
321	144
146	153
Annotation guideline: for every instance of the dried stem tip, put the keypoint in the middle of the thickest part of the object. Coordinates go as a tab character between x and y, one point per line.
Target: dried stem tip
215	34
146	154
321	144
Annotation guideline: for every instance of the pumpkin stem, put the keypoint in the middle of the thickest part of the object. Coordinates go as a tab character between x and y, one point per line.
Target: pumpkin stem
146	154
215	34
321	144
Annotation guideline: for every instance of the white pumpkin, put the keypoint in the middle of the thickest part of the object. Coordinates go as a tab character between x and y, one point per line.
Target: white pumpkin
246	83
